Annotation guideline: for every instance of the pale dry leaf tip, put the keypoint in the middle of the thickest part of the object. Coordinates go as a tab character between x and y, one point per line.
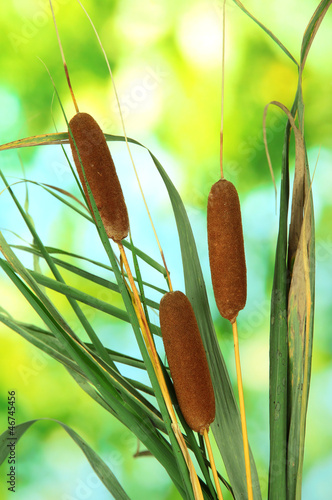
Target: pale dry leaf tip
37	140
64	59
299	181
11	185
222	90
297	133
66	193
307	198
315	168
314	30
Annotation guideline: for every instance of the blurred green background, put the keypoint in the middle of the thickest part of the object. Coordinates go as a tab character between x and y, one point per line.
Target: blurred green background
166	58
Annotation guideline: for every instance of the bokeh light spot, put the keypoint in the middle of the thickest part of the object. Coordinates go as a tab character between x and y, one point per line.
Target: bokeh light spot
200	36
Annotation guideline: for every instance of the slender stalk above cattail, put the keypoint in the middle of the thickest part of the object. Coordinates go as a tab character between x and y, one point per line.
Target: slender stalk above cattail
95	165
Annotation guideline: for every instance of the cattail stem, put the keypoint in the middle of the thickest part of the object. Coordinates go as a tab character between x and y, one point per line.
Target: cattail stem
64	60
222	90
127	144
213	465
148	339
163	259
242	411
221	154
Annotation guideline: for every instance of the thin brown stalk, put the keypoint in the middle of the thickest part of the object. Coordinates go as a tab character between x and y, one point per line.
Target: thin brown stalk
64	60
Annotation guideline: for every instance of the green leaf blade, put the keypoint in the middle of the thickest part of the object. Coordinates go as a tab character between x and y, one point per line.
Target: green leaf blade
103	472
227	425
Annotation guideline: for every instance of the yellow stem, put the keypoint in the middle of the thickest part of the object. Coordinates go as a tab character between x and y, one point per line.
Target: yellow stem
127	144
148	339
242	412
213	465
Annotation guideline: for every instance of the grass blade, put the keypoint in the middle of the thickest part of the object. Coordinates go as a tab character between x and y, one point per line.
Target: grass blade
37	140
80	315
267	31
312	29
98	465
134	419
45	341
278	341
78	270
227	426
90	300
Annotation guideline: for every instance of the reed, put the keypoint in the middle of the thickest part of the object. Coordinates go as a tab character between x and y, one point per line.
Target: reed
177	404
90	149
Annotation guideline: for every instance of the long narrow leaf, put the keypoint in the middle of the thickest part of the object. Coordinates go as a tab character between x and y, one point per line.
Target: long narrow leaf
227	426
136	421
98	465
267	31
78	270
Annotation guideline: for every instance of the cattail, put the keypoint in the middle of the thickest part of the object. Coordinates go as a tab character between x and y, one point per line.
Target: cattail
100	173
187	361
226	249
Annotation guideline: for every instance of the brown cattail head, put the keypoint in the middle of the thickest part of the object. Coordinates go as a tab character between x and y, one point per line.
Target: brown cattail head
100	173
187	360
226	249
